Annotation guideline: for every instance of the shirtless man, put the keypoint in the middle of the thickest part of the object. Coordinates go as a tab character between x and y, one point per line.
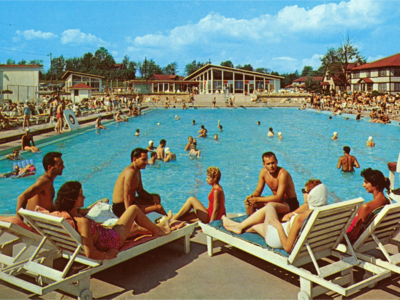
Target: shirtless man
42	191
202	131
281	184
129	183
190	142
160	150
27	142
347	162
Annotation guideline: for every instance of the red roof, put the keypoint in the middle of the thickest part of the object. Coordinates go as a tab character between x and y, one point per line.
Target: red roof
305	78
367	80
390	61
81	86
20	66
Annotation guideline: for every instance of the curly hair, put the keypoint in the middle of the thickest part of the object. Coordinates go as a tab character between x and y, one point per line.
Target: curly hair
214	173
67	196
312	183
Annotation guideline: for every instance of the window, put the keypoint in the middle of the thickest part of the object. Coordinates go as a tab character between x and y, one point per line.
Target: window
76	92
382	87
397	87
356	75
368	74
382	72
356	87
328	77
396	72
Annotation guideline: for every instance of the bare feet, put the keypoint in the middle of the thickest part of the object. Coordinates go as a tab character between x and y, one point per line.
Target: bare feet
176	224
231	225
163	225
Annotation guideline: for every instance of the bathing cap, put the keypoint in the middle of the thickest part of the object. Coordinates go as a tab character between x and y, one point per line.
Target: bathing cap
167	150
318	196
279	133
27	130
370	138
335	133
158	123
150	142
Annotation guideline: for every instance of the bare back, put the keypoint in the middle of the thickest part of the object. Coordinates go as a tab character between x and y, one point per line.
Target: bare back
347	162
160	152
126	186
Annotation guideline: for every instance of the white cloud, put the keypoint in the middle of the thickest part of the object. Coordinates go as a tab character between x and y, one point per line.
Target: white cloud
76	37
32	34
285	58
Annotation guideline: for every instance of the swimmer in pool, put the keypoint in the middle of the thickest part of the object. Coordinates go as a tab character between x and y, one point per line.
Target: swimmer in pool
280	135
15	155
160	149
335	136
370	143
189	144
137	132
271	132
194	122
281	184
193	149
203	132
151	146
216	137
347	162
169	156
153	157
177	118
258	123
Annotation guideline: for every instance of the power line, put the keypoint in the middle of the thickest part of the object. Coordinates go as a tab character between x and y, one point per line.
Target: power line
12	50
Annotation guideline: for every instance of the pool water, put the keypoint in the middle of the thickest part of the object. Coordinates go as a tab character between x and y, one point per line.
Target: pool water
96	158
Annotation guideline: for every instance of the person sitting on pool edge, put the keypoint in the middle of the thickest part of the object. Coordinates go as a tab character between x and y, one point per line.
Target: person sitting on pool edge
169	156
281	184
129	183
193	210
101	242
374	183
266	223
347	162
98	123
27	142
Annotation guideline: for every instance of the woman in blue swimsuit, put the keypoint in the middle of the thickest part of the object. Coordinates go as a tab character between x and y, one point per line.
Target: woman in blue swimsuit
27	115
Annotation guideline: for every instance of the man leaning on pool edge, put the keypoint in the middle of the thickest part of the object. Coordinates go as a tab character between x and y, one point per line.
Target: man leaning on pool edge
281	184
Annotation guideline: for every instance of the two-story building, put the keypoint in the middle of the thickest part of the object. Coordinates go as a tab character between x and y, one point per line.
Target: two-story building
334	82
95	82
382	75
301	82
21	80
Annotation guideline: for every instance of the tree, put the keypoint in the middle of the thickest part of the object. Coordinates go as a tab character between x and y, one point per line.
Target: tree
58	66
22	62
193	67
227	63
307	70
125	61
263	70
170	69
312	85
336	62
105	59
247	67
288	78
10	61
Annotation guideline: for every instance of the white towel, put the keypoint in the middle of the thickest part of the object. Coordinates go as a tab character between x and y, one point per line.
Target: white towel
318	196
102	213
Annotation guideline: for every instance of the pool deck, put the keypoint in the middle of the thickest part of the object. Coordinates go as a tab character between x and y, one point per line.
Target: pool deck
168	273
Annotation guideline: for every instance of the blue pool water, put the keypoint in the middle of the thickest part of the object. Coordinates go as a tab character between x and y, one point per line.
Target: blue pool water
306	151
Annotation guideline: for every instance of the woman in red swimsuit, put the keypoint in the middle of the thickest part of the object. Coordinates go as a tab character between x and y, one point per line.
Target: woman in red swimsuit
193	210
101	242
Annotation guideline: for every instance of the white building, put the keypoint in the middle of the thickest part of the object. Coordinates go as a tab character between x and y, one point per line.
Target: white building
382	75
214	78
73	78
80	91
22	80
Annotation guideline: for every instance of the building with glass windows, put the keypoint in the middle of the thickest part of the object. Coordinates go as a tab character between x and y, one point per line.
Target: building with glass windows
73	78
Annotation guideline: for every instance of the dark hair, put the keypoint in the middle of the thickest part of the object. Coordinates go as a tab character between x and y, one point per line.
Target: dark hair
48	159
137	130
346	149
67	196
153	154
137	152
376	178
270	129
268	154
163	141
202	126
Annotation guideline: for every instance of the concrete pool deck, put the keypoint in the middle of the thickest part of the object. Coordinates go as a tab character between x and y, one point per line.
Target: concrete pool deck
168	273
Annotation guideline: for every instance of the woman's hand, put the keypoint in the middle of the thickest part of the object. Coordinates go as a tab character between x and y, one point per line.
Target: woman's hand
274	222
287	217
111	253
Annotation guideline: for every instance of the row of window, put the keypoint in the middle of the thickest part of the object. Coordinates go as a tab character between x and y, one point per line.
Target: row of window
381	73
382	87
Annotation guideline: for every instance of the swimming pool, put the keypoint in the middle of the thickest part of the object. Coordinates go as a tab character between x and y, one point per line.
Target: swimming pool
96	158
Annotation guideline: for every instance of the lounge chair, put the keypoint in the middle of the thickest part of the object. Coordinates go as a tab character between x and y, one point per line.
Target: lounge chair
67	241
381	232
325	228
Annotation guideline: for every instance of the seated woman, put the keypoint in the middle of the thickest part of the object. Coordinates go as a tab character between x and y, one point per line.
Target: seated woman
265	221
193	210
100	242
374	183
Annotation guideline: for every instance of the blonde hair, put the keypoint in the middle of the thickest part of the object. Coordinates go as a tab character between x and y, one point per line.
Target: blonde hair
214	173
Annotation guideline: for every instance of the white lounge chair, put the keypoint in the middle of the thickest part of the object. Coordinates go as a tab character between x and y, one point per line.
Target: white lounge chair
380	233
67	241
321	234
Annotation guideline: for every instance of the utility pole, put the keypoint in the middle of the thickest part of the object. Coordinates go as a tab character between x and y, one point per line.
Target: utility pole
51	68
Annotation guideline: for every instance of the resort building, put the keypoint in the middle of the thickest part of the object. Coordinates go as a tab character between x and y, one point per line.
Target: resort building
20	81
217	79
301	82
80	91
382	75
334	82
73	78
159	83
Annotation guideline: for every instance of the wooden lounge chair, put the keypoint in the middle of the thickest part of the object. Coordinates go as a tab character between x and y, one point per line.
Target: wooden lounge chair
63	237
380	233
325	228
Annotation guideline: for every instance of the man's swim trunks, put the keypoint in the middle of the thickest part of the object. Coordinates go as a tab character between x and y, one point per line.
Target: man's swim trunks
293	203
119	208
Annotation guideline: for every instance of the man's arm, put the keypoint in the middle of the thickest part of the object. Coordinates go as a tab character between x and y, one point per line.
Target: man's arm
356	164
339	165
141	191
282	183
260	187
129	191
29	193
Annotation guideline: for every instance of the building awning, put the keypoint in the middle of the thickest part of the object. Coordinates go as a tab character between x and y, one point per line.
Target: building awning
366	80
81	86
324	83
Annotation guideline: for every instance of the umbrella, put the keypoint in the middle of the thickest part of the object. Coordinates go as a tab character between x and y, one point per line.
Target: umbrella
7	92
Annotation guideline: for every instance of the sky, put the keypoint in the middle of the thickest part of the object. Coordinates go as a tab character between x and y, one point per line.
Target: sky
282	36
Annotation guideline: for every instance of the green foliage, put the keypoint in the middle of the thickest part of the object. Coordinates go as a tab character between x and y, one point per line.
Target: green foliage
247	67
376	93
193	67
312	85
171	69
263	70
10	61
307	70
289	78
227	63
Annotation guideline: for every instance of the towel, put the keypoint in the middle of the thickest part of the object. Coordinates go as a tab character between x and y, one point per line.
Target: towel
102	213
318	196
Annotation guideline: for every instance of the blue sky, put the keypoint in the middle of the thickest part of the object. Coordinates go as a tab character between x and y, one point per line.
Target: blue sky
280	35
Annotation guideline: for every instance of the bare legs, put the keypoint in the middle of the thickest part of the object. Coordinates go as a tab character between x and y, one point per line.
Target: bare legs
125	225
26	121
259	217
199	211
